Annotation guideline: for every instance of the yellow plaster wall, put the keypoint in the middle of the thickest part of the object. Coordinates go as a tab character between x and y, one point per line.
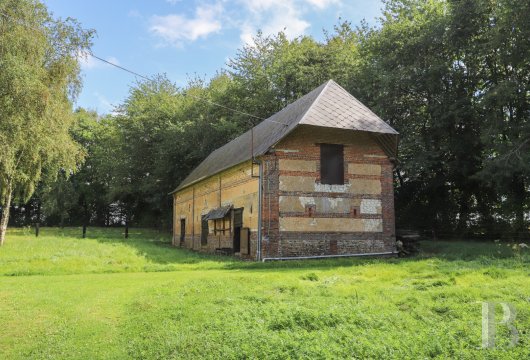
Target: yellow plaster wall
294	203
304	224
364	169
234	186
309	184
365	186
298	165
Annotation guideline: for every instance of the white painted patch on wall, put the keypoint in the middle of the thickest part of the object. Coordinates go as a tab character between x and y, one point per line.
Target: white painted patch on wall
372	225
370	206
287	150
332	203
306	200
332	188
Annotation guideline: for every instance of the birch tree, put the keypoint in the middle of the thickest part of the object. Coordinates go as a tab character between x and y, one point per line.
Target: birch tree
39	78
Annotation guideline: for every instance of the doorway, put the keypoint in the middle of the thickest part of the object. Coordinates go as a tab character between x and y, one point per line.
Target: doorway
182	231
238	224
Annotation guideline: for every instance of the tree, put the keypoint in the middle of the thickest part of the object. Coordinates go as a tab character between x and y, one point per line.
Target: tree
39	79
453	78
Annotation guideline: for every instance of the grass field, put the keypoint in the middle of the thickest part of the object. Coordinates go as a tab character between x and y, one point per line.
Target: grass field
63	297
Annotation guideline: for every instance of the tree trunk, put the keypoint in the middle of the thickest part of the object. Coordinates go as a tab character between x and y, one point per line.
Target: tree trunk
85	218
126	228
4	217
463	210
37	223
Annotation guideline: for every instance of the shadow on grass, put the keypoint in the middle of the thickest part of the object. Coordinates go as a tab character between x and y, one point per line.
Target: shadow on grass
156	247
162	252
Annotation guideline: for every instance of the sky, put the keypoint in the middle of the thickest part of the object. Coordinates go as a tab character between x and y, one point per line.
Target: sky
184	38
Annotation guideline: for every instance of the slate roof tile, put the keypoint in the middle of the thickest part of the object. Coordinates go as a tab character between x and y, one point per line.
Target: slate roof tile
329	105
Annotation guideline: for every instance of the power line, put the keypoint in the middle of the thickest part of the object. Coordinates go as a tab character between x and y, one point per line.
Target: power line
118	66
149	79
185	94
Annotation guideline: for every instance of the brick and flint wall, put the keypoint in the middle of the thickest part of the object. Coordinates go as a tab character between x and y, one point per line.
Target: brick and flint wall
303	217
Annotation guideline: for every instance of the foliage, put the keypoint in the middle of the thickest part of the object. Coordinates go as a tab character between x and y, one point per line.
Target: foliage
451	76
39	77
142	299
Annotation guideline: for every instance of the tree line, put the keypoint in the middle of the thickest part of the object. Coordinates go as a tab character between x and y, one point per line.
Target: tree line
453	77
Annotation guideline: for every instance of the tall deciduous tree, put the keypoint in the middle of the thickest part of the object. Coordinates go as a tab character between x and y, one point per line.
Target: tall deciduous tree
38	79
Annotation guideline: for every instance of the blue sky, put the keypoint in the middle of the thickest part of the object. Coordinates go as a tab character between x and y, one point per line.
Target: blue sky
184	37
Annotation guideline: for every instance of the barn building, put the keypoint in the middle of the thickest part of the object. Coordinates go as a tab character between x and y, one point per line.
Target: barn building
313	180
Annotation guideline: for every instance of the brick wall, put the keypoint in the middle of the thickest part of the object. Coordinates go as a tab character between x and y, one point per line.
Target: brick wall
300	216
303	217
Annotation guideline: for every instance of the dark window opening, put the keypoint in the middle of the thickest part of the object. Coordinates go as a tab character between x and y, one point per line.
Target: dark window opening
204	232
331	164
238	225
310	210
182	231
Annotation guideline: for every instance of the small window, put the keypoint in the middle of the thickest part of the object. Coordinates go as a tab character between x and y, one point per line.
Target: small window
310	210
331	164
204	231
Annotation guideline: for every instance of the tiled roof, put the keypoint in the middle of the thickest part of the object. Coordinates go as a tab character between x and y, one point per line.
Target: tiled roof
218	213
337	108
329	105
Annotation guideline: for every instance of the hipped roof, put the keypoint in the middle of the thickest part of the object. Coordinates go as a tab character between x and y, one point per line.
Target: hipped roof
329	105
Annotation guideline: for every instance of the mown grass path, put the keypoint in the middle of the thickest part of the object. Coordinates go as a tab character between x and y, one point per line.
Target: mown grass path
62	297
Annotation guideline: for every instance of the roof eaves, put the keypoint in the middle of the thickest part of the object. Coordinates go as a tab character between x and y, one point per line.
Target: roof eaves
179	188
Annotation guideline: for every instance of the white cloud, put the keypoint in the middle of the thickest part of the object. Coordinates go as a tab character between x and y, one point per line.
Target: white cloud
248	16
273	16
89	62
176	29
105	105
134	13
322	4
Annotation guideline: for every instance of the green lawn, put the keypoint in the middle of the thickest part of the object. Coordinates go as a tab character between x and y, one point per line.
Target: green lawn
63	297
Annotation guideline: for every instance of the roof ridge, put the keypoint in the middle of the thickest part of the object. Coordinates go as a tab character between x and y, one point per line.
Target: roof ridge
330	81
359	103
325	106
